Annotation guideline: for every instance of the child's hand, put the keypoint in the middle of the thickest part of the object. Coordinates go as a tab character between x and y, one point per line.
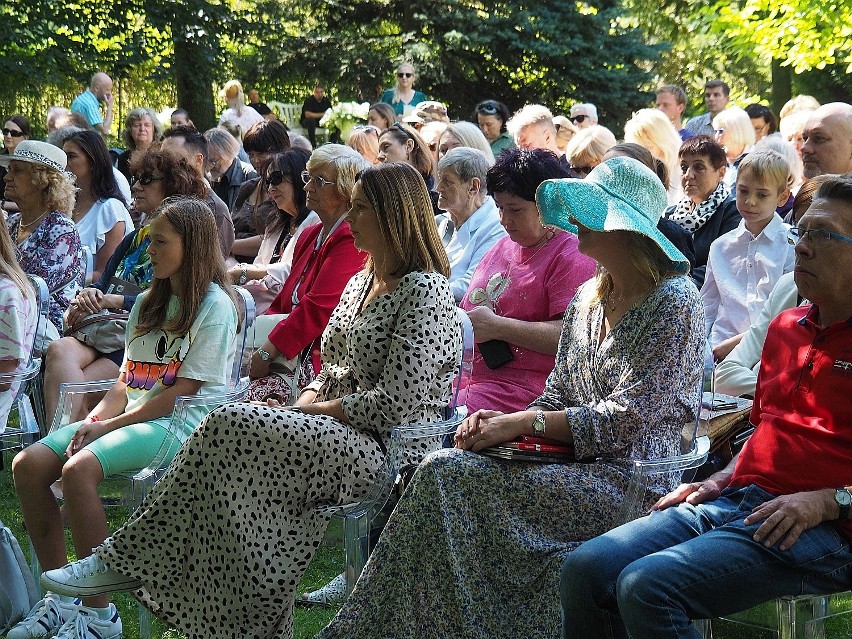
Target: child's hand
88	432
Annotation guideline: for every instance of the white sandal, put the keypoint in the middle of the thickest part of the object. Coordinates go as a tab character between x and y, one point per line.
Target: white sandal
331	594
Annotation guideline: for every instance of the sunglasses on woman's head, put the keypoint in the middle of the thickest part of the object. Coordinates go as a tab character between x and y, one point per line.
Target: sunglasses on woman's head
579	119
369	128
405	75
13	133
397	125
274	178
145	179
487	108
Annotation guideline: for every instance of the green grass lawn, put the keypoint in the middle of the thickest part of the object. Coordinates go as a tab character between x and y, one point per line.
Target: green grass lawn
327	563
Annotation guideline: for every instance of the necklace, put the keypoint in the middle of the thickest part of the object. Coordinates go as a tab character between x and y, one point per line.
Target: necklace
35	221
612	302
547	237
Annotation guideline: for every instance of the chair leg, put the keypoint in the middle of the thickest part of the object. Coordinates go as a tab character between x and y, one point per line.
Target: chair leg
356	542
144	622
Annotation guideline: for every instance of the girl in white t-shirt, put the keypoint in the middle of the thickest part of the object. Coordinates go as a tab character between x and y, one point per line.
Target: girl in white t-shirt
180	341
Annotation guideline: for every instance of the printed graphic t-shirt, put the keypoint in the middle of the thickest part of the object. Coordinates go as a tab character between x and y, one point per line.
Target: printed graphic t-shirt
154	360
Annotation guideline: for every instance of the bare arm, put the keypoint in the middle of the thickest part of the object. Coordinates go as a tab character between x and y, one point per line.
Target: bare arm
542	337
112	239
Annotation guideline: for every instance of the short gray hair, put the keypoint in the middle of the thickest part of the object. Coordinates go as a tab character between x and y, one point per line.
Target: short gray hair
347	163
467	163
591	110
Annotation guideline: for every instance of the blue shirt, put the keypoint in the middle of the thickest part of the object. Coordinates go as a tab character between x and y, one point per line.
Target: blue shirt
87	105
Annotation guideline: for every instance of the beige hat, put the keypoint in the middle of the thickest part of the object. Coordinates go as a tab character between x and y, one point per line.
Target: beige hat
37	152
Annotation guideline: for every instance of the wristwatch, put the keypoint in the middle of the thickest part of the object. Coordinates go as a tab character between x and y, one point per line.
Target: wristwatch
539	424
263	354
243	274
844	500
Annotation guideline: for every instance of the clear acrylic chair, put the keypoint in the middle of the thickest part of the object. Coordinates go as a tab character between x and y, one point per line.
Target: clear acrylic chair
358	516
27	429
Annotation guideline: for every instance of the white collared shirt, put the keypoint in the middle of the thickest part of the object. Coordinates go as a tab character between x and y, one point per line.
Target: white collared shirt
741	272
470	242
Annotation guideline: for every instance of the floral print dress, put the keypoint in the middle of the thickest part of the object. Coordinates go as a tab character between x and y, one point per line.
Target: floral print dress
475	546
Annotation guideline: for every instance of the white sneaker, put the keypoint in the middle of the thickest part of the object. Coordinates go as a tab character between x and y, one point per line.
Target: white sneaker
87	624
86	578
46	617
331	594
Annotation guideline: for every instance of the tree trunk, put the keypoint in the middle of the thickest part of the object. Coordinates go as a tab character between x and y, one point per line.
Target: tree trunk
194	78
782	85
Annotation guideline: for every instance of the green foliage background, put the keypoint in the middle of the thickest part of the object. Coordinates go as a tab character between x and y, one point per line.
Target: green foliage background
611	52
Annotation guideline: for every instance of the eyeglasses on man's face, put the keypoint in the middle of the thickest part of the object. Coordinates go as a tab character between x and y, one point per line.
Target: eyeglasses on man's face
578	119
818	237
307	177
13	133
145	179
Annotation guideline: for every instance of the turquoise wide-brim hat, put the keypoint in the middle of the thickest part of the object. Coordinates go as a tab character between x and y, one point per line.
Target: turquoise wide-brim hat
621	194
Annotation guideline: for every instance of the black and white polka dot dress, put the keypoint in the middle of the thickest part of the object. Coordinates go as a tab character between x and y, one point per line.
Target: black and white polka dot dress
224	538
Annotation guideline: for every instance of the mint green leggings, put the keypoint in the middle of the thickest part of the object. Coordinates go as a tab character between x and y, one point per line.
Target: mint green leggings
129	448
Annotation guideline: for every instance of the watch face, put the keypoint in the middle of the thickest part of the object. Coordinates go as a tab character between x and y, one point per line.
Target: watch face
843	497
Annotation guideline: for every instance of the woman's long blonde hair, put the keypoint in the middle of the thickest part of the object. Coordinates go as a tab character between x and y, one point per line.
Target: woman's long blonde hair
401	200
203	263
9	266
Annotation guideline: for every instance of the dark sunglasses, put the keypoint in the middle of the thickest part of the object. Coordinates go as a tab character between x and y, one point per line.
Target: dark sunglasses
487	108
405	75
275	178
145	179
581	170
578	118
13	133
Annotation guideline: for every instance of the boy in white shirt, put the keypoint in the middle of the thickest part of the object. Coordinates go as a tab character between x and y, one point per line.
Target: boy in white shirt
744	264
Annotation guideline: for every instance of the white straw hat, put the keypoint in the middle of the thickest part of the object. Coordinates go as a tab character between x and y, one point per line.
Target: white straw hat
36	152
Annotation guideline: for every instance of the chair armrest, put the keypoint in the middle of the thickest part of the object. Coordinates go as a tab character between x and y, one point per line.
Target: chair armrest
22	376
67	392
634	496
406	433
209	401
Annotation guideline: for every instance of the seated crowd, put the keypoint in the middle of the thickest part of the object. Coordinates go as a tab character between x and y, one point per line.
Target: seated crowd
601	276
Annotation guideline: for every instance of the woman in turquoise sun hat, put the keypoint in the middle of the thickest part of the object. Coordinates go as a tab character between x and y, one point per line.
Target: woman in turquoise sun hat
495	532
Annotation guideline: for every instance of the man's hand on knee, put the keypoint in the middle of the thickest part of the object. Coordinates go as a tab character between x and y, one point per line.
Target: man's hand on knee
786	517
694	493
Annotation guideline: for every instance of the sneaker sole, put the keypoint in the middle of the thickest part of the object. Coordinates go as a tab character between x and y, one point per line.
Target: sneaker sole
61	588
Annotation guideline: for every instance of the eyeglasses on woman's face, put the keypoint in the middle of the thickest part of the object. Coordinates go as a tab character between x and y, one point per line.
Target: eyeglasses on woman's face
145	179
13	133
578	119
402	74
320	180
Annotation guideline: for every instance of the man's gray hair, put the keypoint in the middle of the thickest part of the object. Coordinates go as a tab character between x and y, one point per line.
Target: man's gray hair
591	110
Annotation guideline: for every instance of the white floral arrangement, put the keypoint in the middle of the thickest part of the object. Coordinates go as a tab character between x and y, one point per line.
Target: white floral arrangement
345	115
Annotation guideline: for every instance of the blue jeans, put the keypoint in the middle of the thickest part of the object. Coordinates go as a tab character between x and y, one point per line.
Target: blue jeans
649	578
